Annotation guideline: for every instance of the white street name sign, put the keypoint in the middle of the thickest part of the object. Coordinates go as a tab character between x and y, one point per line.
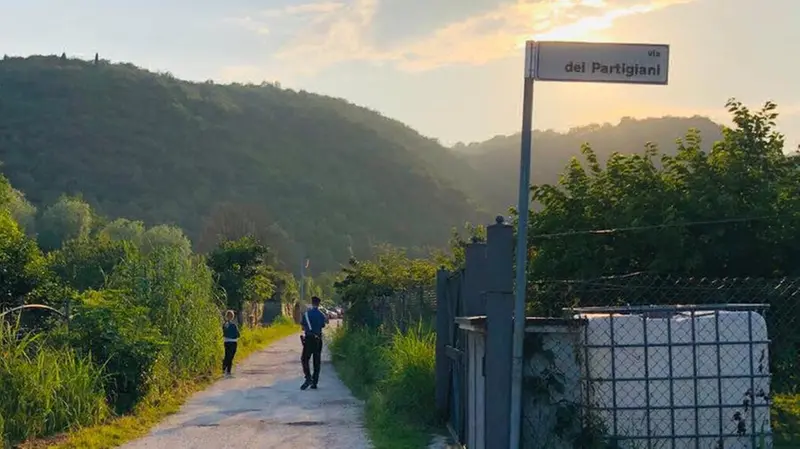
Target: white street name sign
597	62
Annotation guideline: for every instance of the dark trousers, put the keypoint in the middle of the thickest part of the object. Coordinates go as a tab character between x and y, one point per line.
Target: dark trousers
230	351
312	347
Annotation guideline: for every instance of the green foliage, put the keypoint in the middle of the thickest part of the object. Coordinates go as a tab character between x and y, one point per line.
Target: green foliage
745	175
123	229
394	372
241	271
23	269
458	244
286	288
45	390
153	148
165	237
67	219
84	264
22	211
391	271
325	285
145	316
120	337
496	161
178	293
409	383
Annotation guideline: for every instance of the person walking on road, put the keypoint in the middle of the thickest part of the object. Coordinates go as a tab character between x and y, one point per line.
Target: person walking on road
313	321
230	334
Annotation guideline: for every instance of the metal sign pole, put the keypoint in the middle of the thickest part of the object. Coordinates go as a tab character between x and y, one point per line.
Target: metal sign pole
522	247
566	62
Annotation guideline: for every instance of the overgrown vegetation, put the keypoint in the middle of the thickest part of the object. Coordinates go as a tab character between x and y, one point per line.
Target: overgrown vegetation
394	373
137	325
729	211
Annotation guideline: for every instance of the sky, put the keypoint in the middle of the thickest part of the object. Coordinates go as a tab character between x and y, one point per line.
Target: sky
452	69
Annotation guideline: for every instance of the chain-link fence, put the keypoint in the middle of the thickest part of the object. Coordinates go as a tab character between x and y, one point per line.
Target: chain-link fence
401	310
661	362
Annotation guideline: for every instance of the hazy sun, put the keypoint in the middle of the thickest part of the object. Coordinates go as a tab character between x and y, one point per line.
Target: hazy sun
592	28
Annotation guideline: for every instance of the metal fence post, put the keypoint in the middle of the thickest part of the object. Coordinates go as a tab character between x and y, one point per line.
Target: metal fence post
475	279
443	325
499	332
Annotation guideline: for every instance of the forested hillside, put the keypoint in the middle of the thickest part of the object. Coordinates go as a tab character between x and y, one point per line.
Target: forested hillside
295	169
496	161
300	170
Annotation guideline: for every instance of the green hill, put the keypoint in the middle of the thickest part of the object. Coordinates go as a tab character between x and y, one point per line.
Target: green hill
297	169
303	170
496	161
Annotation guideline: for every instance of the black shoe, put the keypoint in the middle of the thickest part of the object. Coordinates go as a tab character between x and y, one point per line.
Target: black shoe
313	386
305	385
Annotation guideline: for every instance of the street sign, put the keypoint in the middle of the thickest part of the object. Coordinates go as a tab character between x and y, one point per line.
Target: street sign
598	62
577	62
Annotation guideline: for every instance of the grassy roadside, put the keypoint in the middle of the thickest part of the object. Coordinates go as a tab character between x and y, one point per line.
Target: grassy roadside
786	421
394	374
153	409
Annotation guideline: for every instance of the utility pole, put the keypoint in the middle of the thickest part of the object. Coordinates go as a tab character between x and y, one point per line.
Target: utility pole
303	266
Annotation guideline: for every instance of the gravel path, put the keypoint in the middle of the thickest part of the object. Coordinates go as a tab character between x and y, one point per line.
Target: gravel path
262	407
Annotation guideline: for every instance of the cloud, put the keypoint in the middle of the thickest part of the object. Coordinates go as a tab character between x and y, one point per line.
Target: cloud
337	32
249	24
303	9
333	36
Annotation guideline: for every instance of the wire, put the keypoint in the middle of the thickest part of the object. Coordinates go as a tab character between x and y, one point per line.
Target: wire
649	227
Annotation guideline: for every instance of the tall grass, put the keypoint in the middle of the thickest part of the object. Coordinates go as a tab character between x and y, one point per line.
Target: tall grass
45	390
395	373
179	294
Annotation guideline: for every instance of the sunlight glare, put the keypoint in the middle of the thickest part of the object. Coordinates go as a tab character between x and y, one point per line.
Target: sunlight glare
590	29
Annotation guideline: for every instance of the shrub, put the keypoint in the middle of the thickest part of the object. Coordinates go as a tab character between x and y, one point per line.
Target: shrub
84	264
410	381
394	370
178	293
359	354
45	390
120	338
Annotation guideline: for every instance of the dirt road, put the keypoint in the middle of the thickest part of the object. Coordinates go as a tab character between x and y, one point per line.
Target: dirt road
262	406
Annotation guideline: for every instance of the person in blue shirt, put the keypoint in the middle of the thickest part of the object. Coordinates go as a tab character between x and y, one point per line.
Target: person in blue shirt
230	335
312	321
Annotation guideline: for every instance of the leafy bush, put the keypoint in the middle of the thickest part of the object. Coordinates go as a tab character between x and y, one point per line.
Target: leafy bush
178	293
359	353
22	266
45	390
84	264
67	219
394	372
120	338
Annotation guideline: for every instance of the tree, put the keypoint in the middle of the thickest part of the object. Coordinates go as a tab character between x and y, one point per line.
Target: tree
732	211
85	264
229	221
22	211
165	236
123	229
23	268
68	218
241	270
392	271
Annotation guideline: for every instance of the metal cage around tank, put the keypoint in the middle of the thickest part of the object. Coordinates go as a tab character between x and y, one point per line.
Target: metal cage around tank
631	373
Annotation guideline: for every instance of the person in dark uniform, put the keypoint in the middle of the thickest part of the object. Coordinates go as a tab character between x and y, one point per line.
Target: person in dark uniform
313	321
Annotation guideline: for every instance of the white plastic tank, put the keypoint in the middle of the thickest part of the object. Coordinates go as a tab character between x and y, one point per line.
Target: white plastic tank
710	397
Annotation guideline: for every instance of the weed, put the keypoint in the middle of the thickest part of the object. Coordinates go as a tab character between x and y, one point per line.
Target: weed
394	373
